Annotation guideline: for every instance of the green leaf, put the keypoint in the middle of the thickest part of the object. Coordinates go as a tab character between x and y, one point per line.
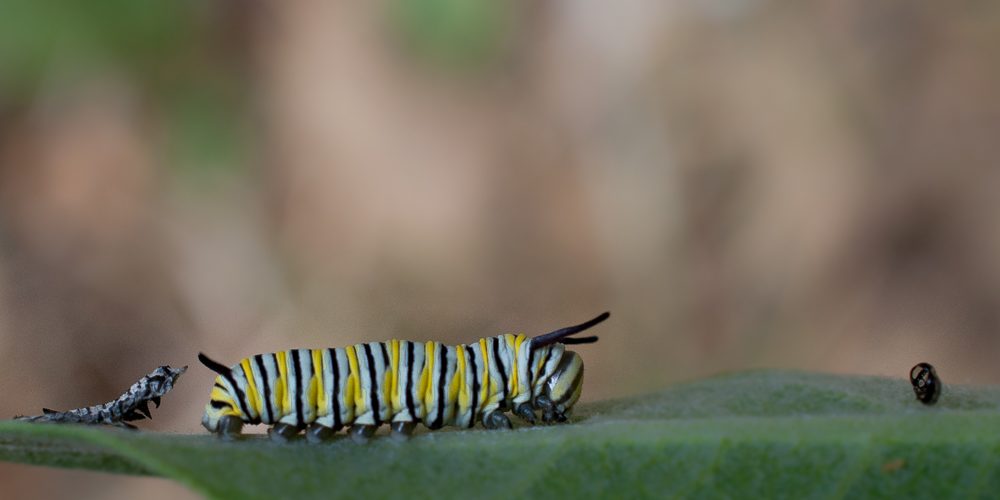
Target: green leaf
759	434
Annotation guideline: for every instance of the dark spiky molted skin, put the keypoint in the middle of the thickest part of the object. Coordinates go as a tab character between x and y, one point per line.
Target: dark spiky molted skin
926	383
130	406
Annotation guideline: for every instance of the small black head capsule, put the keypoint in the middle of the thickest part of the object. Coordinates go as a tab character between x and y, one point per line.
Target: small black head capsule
926	384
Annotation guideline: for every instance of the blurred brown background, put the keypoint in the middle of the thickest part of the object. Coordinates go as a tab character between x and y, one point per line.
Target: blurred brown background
743	183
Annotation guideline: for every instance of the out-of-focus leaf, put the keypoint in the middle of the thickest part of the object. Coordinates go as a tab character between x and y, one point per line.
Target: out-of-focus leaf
452	33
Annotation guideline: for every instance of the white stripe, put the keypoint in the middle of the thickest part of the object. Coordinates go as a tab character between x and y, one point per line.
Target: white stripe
327	418
494	392
258	379
450	368
550	367
481	366
344	368
271	367
403	369
417	368
365	417
306	367
378	385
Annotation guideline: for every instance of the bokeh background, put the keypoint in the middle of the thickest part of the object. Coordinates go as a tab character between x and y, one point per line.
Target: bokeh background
743	183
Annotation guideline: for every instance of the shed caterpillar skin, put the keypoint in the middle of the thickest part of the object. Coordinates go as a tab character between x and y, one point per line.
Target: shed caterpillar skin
400	383
130	406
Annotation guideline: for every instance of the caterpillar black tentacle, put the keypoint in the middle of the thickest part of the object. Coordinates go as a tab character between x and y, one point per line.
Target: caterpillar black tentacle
400	383
131	406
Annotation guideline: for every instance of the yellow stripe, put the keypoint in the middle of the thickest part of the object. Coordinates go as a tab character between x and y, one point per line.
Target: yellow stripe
396	404
512	382
562	385
221	395
517	354
317	393
282	388
253	397
463	394
576	392
354	380
486	373
426	388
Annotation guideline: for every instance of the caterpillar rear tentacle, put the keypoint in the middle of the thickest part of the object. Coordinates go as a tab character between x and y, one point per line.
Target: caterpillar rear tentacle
400	383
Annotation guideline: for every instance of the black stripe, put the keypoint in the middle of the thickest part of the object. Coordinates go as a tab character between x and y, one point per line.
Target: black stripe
218	405
439	421
299	417
531	367
545	360
220	386
249	404
475	383
259	359
501	369
239	393
335	392
572	386
373	393
385	355
409	381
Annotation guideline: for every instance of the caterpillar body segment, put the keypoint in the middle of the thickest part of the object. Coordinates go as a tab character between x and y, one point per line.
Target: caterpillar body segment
399	383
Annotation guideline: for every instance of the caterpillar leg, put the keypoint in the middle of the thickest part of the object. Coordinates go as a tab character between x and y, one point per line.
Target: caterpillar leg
229	427
317	433
554	417
497	420
282	432
526	412
549	412
361	433
403	430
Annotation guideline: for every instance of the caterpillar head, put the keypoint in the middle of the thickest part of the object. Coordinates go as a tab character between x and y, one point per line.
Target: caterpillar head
563	382
562	389
222	413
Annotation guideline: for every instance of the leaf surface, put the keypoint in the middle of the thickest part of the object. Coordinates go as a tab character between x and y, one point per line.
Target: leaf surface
756	434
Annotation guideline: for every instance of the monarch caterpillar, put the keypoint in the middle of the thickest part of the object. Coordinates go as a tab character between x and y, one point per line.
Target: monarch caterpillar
130	406
926	383
399	383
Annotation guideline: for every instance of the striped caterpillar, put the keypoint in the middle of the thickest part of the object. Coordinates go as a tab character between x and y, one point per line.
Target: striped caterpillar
130	406
399	383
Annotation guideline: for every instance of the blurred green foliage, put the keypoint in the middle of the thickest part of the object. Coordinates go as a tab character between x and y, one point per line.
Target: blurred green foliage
453	34
142	37
207	135
172	55
166	51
